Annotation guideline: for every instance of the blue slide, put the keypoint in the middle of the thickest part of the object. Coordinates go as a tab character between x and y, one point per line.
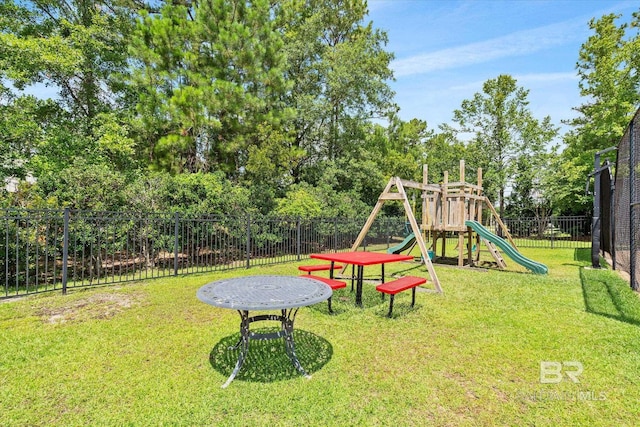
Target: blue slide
534	266
406	244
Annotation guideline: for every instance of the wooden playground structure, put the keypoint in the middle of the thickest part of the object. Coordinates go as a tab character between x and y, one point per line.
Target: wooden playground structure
445	209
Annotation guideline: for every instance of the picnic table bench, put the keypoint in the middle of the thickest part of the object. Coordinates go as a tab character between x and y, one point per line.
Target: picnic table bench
402	284
332	283
319	267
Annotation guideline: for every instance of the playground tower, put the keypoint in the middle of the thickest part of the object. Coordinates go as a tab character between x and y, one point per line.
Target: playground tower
446	207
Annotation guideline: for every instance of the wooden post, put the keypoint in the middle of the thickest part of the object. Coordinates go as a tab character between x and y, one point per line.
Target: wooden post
445	201
479	194
425	181
500	223
470	247
425	205
479	213
462	215
419	240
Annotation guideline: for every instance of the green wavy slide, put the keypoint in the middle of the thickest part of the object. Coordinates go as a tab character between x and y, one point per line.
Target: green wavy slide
505	247
406	244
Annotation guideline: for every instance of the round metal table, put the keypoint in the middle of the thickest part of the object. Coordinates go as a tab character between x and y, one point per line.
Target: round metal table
262	293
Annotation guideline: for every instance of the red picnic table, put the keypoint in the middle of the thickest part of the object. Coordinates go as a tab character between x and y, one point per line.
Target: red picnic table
360	259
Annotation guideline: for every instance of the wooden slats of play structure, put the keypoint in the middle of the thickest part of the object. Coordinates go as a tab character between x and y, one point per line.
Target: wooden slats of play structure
391	196
445	208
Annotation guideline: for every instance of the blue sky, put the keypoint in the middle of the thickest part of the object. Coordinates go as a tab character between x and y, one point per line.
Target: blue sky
445	50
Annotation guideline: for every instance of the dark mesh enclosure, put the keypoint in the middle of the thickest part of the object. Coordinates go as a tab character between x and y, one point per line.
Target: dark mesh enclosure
626	222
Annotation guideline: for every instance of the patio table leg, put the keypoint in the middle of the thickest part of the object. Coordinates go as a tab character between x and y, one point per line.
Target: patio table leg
290	346
243	343
286	319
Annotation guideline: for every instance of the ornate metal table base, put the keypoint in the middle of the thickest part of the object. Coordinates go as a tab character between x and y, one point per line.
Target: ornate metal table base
286	319
265	293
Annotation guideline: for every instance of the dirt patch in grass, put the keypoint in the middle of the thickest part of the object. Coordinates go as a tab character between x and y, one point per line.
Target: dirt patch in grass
96	306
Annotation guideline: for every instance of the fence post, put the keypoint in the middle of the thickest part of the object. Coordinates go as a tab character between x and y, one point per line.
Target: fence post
248	241
176	229
633	203
65	251
298	238
335	234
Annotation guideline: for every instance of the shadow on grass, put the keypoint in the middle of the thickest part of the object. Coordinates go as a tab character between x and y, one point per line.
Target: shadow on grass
582	255
609	296
267	360
344	302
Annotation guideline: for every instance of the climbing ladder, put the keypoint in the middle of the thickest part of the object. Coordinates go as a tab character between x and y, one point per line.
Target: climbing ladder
495	253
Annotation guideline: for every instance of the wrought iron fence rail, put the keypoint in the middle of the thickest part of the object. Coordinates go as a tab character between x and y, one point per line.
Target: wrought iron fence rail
44	251
550	232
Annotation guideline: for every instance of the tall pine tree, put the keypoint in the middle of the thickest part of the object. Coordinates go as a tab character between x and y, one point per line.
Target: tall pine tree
210	74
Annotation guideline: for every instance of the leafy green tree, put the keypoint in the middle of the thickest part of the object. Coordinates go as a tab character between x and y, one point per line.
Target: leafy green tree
565	181
303	200
206	194
85	186
530	195
443	152
272	160
78	48
19	133
300	201
609	71
210	73
362	177
339	72
502	129
399	149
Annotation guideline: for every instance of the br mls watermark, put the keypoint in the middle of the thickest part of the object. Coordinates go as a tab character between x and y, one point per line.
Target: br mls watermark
552	372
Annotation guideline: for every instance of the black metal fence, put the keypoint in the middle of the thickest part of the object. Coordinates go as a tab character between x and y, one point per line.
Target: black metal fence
58	250
549	232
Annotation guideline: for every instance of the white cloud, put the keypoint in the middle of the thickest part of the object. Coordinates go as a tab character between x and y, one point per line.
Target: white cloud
515	44
523	80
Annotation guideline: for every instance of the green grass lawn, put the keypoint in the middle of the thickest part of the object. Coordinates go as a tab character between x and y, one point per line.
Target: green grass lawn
152	354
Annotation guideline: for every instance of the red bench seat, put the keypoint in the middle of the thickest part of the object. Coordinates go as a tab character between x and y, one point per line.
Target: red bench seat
399	285
333	284
319	267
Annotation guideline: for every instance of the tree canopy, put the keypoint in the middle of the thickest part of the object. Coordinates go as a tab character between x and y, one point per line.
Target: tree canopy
283	106
504	136
609	70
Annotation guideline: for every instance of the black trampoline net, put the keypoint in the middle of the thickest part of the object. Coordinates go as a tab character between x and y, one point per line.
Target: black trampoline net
626	214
